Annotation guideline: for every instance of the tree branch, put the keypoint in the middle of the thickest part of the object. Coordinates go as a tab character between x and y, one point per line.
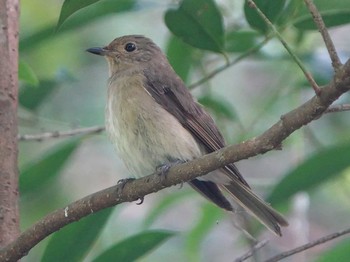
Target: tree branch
336	63
308	245
269	140
251	252
60	134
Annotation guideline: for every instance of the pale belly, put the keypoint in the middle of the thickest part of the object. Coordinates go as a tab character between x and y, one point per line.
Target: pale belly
144	134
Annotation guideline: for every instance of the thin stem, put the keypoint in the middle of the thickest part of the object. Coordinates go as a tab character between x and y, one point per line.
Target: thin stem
308	245
336	63
286	46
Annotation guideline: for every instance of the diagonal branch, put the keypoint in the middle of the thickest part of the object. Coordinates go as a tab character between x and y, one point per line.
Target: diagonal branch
324	32
308	245
269	140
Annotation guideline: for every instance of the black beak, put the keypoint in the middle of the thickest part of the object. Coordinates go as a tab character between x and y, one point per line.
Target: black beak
97	50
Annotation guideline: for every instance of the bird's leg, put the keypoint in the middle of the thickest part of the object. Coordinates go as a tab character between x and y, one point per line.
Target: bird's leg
163	169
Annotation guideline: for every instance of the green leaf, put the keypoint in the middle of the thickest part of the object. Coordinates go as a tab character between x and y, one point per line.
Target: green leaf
271	8
319	168
69	7
74	241
208	219
219	105
180	57
135	246
339	252
198	23
31	97
82	18
241	41
26	74
47	167
167	202
334	13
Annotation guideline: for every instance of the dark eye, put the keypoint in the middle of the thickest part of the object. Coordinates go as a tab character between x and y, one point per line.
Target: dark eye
129	47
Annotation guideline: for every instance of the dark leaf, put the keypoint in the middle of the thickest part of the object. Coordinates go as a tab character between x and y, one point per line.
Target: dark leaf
125	250
198	23
271	8
47	167
319	168
74	241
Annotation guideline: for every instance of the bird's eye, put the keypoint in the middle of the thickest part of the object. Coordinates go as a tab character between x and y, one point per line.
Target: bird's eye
129	47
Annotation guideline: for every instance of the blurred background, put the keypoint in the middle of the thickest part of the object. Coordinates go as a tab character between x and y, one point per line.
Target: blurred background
64	88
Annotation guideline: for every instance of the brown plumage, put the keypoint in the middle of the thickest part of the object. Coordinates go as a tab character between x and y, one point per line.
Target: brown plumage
153	119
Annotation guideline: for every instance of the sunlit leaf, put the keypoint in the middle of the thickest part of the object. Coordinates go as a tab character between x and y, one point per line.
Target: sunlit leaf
198	23
38	173
26	74
134	247
319	168
74	241
334	13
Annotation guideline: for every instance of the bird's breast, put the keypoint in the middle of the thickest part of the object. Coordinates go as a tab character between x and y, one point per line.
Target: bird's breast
143	132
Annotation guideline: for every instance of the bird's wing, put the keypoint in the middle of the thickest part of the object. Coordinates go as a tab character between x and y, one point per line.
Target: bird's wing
171	93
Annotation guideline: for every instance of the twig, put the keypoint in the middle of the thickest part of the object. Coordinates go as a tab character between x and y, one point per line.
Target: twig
286	46
250	252
228	64
308	246
338	108
59	134
131	191
336	63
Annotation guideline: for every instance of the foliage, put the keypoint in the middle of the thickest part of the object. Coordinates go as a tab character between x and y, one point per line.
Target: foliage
200	37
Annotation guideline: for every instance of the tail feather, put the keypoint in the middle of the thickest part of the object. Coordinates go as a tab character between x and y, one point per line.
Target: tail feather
255	206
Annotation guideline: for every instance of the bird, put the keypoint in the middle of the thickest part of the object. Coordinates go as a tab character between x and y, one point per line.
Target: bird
153	120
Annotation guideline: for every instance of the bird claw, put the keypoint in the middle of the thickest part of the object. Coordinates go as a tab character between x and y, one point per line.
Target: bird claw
141	199
163	170
124	181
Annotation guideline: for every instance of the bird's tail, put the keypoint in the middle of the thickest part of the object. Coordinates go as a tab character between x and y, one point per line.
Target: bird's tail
257	207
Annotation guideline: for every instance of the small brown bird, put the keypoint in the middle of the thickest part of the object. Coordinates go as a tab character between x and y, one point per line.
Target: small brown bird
153	121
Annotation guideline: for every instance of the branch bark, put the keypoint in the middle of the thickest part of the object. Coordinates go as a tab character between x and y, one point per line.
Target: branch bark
9	217
131	191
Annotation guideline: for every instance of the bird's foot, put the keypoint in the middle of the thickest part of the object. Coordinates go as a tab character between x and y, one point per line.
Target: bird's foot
163	170
124	181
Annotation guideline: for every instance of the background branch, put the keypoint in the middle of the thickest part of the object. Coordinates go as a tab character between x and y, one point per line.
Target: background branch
308	245
269	140
61	134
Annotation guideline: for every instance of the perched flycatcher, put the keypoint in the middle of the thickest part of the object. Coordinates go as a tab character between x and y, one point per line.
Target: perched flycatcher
153	120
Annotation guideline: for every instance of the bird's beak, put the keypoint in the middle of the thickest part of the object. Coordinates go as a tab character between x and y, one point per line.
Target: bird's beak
97	51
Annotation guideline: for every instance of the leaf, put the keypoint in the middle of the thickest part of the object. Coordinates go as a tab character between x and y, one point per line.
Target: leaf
319	168
219	106
271	9
180	56
167	202
339	252
198	23
79	19
241	41
47	167
135	246
31	97
26	74
74	241
209	217
334	13
69	7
